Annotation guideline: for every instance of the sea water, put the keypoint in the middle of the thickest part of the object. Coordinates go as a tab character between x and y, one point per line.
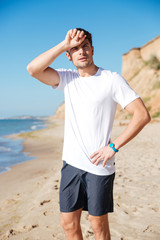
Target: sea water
11	150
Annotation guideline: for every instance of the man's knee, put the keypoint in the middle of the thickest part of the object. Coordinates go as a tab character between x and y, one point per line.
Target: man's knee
99	225
70	225
96	225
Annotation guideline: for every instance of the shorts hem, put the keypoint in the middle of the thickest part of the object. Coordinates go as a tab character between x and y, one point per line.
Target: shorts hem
101	213
70	210
89	212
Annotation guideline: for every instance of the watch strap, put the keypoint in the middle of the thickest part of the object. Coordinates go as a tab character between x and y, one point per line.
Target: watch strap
111	145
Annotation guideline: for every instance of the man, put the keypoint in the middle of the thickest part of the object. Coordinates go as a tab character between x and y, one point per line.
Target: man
91	96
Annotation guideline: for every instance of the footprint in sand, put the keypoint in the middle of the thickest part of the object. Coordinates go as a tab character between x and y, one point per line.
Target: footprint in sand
46	177
13	231
47	213
155	209
147	229
134	209
39	183
56	187
126	212
89	233
153	228
28	228
45	201
34	226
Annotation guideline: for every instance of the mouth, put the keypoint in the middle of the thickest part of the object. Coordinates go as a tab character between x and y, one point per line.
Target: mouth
82	59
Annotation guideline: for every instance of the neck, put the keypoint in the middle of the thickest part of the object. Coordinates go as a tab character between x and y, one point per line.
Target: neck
88	71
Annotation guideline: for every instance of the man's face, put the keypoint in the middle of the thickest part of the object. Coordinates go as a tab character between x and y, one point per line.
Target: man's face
82	55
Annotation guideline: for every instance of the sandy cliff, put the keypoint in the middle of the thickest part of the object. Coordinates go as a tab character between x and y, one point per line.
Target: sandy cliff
141	68
60	113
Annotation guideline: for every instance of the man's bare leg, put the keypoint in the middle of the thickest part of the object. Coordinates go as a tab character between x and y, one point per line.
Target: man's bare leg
100	226
70	222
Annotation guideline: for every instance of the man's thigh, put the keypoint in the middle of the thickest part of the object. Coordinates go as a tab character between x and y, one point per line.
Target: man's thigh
100	194
71	194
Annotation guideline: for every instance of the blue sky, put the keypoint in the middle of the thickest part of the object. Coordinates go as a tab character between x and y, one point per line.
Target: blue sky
29	28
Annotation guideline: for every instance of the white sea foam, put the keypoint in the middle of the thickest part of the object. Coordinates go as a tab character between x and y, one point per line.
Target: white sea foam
22	131
38	126
24	118
5	149
4	169
33	127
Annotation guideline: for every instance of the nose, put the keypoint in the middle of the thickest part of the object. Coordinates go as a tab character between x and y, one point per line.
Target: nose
81	51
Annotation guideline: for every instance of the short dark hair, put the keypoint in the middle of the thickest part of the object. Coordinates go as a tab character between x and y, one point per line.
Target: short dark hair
88	35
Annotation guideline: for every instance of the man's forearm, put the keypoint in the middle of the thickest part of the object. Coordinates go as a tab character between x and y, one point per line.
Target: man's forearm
41	62
134	127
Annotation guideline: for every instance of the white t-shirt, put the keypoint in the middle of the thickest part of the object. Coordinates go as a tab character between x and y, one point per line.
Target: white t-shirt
90	106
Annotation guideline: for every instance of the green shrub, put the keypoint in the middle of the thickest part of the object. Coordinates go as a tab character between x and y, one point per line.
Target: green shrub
146	99
153	62
149	108
157	114
128	116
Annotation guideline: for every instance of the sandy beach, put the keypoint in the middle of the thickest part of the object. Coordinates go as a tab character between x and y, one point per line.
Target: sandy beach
29	193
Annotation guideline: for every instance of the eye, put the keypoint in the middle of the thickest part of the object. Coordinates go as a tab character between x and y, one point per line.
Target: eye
74	48
85	45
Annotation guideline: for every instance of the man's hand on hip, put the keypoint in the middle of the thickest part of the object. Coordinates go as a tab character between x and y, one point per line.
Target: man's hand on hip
104	154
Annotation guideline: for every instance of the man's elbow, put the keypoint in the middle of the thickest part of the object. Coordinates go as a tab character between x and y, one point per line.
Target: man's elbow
30	70
146	118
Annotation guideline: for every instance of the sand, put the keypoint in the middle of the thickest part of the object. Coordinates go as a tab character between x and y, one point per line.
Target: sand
29	193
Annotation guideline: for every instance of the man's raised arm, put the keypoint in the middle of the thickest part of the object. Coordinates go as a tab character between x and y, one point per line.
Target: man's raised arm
39	67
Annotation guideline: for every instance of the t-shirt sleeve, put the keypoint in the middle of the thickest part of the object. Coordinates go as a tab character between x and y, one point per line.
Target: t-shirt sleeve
122	92
63	79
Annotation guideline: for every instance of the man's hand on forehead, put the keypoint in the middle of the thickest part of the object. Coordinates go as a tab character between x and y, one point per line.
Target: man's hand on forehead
74	38
77	34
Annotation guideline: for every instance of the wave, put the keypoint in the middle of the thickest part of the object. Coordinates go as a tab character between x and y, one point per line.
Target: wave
5	149
22	131
4	169
24	118
38	126
33	127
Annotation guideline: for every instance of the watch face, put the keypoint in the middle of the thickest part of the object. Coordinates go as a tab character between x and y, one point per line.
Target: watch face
111	145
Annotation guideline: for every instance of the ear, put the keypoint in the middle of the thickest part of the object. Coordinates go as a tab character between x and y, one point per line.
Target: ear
68	56
92	50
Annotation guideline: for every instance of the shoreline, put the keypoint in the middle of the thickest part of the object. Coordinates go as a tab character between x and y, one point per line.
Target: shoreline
33	140
23	155
30	191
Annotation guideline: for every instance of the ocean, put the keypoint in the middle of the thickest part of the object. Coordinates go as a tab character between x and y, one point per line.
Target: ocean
11	150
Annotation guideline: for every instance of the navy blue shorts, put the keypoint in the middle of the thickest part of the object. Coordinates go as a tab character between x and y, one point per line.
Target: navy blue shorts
81	189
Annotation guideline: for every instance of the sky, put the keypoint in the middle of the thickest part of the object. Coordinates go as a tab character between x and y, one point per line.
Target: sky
29	28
